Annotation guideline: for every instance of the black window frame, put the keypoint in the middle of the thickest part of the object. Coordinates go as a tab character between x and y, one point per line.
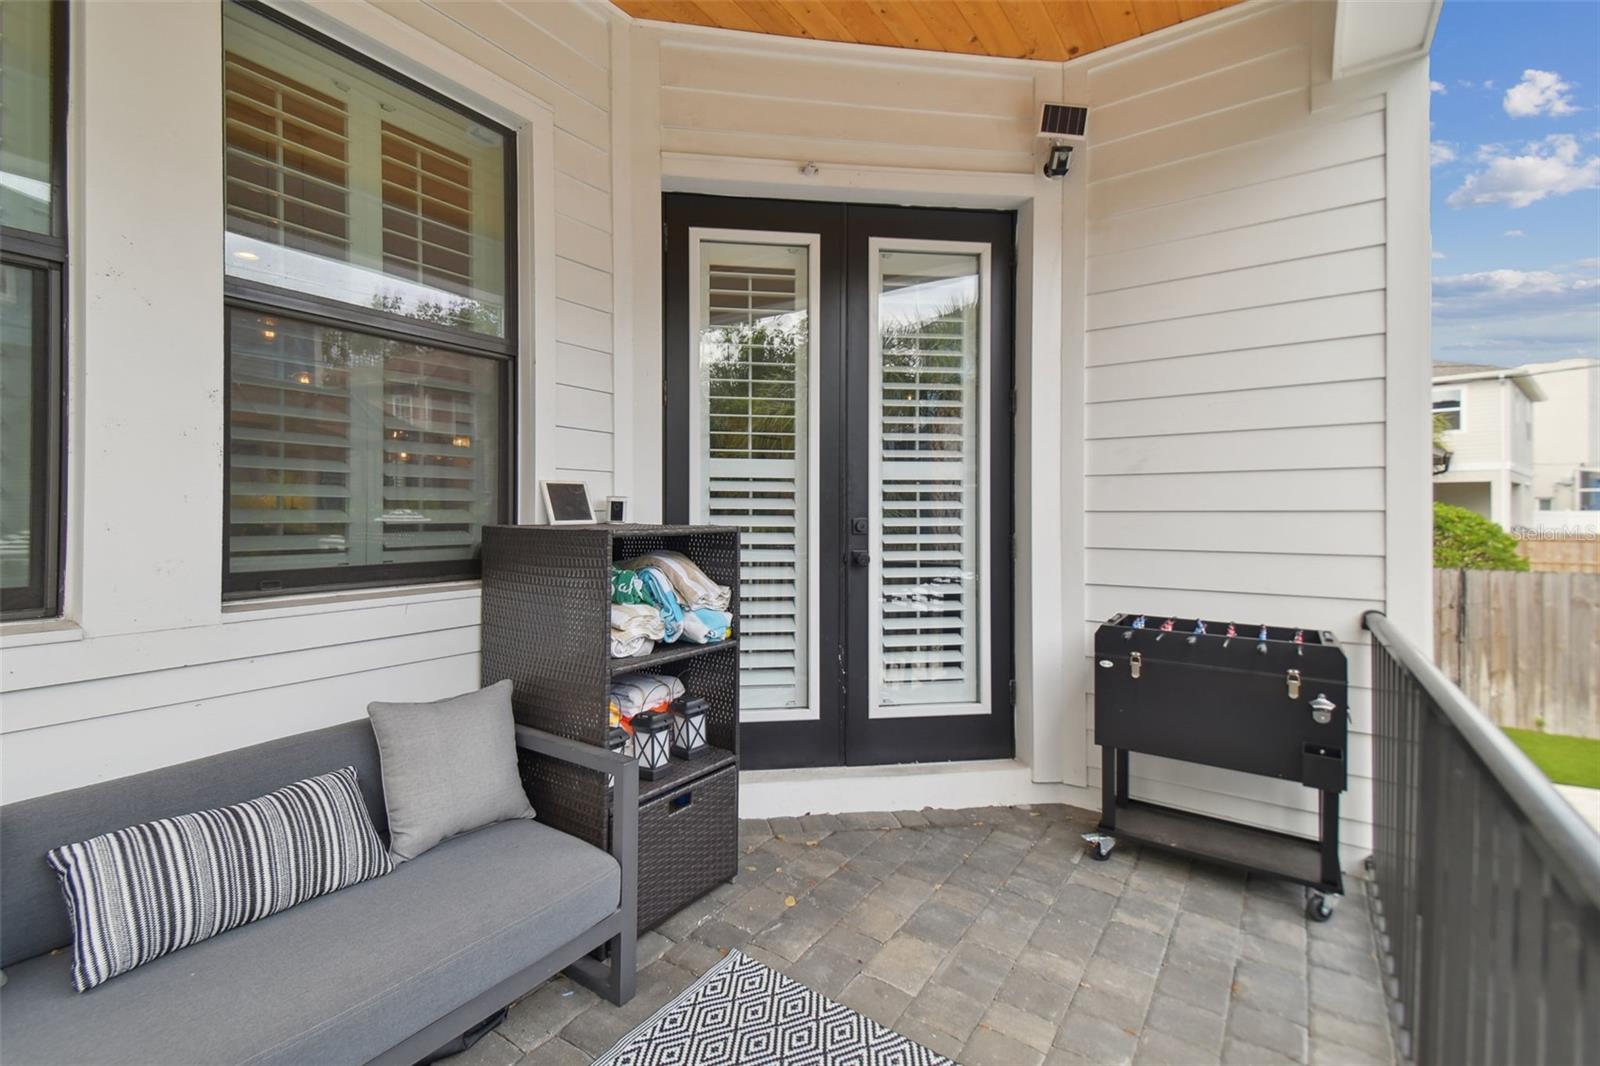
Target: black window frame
47	253
250	296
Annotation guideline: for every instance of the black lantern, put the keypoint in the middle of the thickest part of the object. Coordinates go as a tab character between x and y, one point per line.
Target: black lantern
689	726
650	738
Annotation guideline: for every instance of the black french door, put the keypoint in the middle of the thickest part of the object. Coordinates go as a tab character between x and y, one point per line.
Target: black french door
839	386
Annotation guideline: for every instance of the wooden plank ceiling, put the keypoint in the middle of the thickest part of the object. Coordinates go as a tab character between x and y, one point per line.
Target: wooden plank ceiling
1016	29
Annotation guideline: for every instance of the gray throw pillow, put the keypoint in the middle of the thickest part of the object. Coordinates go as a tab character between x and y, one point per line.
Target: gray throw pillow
448	767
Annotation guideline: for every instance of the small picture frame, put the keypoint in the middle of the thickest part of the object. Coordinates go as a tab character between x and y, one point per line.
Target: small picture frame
566	503
616	508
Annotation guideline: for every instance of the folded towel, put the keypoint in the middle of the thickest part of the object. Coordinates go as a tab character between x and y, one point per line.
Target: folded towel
692	585
626	647
658	592
632	694
634	626
706	626
626	587
637	620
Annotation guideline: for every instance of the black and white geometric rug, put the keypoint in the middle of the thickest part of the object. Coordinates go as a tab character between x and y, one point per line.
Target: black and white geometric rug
741	1012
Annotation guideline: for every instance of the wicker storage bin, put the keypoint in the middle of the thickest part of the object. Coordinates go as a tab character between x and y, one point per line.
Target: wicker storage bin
683	844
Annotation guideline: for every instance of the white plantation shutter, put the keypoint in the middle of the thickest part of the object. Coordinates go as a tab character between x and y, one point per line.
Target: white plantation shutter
427	211
291	449
439	453
927	479
753	364
288	160
346	450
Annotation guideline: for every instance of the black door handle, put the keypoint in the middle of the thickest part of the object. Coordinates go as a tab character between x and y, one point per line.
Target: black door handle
860	558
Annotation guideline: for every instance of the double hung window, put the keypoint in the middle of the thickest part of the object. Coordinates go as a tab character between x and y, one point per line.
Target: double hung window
33	258
370	281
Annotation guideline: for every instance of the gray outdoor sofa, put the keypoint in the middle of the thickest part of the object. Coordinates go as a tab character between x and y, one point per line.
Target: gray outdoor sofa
388	970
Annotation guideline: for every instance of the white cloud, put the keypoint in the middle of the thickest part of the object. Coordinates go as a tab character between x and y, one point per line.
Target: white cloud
1503	316
1437	87
1515	233
1490	293
1540	92
1439	255
1554	166
1489	84
1440	153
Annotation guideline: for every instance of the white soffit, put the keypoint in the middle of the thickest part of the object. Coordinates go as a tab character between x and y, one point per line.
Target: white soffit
1369	34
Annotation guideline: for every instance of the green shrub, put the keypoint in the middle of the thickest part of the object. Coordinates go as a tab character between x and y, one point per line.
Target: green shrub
1464	540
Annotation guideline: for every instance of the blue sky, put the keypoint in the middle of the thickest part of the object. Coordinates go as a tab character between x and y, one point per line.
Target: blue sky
1516	181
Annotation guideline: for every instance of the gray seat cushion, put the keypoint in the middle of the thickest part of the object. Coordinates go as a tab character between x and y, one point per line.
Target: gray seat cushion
338	979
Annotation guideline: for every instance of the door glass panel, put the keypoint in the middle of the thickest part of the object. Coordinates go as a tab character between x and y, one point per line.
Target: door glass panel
927	434
754	339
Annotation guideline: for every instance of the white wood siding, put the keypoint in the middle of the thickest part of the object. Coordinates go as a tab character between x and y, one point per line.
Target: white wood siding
1235	360
561	53
764	99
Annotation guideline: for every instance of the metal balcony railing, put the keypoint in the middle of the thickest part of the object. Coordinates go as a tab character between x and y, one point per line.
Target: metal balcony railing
1488	881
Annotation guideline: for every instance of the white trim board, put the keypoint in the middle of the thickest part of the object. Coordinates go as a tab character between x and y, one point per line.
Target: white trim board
809	393
910	786
982	400
1052	747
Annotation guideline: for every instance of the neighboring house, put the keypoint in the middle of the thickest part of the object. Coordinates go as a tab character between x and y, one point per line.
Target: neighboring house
1488	431
1566	436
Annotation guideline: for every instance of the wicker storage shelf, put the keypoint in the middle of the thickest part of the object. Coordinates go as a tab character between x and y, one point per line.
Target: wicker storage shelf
546	626
668	653
684	771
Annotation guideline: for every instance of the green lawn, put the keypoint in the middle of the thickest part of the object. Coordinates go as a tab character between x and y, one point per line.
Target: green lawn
1564	760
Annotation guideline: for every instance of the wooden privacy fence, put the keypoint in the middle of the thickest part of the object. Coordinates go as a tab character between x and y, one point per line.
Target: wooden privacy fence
1575	554
1525	647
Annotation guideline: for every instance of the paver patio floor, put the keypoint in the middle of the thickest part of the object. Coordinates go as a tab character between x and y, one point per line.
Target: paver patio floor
988	935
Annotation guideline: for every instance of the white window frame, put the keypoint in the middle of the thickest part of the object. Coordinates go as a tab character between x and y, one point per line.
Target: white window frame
698	419
1582	493
1441	395
984	704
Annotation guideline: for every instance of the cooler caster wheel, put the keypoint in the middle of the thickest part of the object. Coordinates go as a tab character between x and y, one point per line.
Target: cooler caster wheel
1100	846
1318	909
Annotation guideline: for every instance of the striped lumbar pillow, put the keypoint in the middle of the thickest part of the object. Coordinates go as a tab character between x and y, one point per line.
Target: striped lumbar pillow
142	892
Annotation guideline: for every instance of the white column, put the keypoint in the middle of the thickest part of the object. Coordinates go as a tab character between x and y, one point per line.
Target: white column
146	293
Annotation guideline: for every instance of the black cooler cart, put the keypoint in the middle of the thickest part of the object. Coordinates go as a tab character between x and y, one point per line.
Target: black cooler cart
1258	699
